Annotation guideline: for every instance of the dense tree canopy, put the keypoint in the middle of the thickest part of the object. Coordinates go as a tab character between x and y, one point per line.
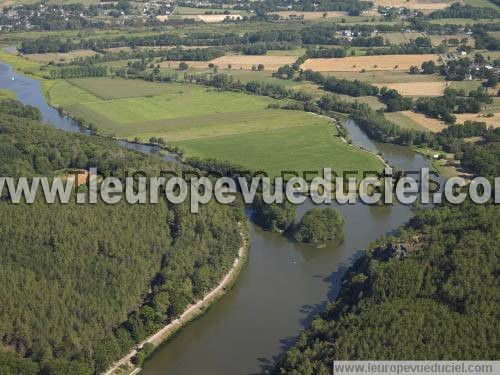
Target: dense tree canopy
81	283
429	293
319	225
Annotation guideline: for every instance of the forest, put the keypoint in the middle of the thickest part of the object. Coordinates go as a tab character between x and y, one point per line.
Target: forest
319	225
117	272
428	293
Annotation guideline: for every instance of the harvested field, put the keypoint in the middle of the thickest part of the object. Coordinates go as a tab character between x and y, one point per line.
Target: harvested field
429	123
490	121
290	14
358	63
414	4
214	18
179	10
58	56
435	88
270	63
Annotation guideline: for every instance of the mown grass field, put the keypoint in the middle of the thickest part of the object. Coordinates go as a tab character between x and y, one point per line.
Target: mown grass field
385	76
404	121
311	147
211	124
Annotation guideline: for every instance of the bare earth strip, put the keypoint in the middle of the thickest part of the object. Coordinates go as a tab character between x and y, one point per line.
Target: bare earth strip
432	124
414	4
435	88
191	312
490	121
358	63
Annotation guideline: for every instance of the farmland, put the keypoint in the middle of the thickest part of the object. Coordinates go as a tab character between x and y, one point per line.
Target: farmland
493	121
414	4
290	14
311	147
204	122
59	57
271	63
368	63
423	121
435	88
384	77
404	121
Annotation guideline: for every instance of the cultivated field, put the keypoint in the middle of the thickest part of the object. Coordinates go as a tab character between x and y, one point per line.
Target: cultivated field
290	14
429	123
414	4
398	38
109	88
384	76
58	56
186	10
358	63
208	18
205	122
214	18
270	63
490	121
404	121
172	64
310	147
435	88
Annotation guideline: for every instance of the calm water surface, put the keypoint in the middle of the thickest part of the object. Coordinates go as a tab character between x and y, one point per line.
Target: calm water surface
280	289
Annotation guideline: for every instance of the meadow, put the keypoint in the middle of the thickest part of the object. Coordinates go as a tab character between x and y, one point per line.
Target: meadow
303	148
382	76
211	124
404	121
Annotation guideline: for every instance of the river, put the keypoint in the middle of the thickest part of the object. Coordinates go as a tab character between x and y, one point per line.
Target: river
281	288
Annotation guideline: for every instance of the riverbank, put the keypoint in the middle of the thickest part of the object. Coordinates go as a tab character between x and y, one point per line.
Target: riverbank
125	365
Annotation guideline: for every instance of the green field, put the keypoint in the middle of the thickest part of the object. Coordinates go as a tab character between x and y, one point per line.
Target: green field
287	52
310	147
385	76
211	124
462	21
7	94
465	85
480	3
404	121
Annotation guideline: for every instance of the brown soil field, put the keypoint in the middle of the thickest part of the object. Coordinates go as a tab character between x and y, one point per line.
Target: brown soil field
432	124
271	63
414	4
57	56
435	88
490	121
358	63
285	14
